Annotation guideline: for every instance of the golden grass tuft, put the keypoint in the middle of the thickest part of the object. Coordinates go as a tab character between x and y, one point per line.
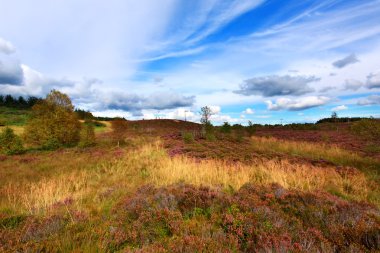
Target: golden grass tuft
151	164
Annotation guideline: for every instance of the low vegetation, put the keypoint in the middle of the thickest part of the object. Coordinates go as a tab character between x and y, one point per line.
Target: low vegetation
172	186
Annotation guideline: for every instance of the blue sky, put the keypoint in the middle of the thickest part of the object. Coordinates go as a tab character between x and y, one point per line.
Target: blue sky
261	60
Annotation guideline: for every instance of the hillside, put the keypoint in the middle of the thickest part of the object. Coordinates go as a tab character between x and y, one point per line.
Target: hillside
161	191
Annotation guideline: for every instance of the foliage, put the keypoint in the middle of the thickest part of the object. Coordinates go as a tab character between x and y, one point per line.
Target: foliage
87	135
339	120
53	122
205	115
10	143
251	128
298	126
368	129
225	128
84	115
188	137
13	116
18	103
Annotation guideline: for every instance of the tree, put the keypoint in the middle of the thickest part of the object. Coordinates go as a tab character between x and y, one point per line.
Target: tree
87	135
225	128
251	129
9	101
10	143
119	128
334	115
205	115
53	122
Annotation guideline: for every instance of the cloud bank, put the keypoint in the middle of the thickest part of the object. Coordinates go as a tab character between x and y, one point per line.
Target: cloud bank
269	86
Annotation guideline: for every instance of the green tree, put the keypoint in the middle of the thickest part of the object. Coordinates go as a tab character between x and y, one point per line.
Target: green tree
53	122
225	128
10	143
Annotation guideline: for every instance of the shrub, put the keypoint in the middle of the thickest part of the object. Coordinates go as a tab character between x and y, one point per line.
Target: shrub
119	128
53	122
225	128
87	135
10	143
251	128
367	128
188	137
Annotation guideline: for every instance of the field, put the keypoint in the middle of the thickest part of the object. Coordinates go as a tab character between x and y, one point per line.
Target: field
169	189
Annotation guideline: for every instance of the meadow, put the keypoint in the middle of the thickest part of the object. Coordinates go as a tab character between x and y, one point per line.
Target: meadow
160	191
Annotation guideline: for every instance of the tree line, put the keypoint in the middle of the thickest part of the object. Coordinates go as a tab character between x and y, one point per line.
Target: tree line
18	102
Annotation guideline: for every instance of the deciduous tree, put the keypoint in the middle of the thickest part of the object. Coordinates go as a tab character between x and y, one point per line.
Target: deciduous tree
53	122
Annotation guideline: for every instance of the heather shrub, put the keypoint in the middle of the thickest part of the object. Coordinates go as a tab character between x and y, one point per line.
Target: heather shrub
367	128
119	128
10	143
188	137
184	218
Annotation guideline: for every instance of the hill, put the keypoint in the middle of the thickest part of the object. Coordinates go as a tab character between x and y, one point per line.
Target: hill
170	187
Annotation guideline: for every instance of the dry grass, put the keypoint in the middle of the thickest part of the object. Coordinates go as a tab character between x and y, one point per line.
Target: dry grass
151	164
313	151
19	130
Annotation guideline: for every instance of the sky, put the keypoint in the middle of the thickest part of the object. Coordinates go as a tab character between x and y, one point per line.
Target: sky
265	61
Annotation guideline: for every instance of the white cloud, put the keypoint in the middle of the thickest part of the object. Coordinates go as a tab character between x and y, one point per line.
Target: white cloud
339	108
352	84
370	100
297	104
6	47
215	109
249	111
269	86
373	80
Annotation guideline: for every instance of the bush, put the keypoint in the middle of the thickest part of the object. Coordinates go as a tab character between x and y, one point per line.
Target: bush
225	128
87	136
367	128
119	128
251	128
53	122
10	143
188	137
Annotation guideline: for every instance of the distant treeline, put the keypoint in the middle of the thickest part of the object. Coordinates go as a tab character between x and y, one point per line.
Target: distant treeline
18	102
339	120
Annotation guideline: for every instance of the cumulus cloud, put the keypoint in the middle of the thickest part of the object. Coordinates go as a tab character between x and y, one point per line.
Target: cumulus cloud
249	111
352	84
135	103
10	73
296	104
6	47
326	89
373	80
350	59
339	108
215	109
370	100
269	86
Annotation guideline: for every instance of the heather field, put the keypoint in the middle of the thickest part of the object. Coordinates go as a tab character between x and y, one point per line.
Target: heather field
165	187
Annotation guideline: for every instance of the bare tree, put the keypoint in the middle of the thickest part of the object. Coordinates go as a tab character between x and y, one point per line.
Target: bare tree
205	115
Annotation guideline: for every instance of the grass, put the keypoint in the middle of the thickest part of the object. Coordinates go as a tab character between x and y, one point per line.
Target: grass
319	151
137	197
151	164
13	117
